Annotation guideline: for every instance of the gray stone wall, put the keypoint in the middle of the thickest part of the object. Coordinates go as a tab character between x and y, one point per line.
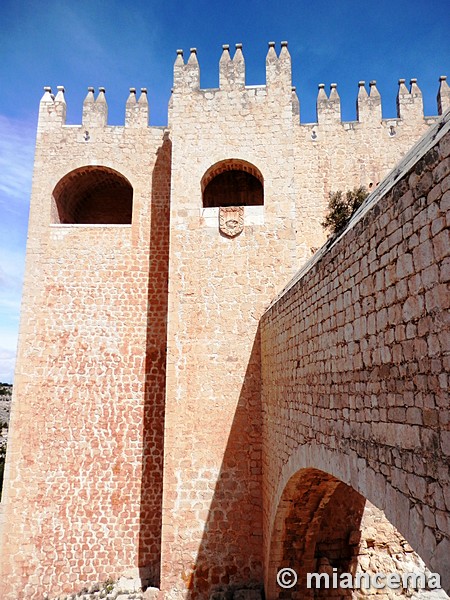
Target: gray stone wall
354	358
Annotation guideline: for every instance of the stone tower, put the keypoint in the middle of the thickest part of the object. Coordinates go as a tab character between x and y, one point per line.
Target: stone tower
135	439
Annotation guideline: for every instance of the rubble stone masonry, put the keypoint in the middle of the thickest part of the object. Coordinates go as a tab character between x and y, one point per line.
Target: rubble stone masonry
137	439
355	369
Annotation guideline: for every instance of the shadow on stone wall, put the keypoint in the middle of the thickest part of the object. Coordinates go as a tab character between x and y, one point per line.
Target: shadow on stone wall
155	371
230	555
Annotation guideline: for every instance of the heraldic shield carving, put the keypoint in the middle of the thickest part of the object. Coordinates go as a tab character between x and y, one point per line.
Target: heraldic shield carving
231	220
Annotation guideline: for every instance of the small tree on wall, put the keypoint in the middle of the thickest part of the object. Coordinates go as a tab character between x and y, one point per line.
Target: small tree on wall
342	206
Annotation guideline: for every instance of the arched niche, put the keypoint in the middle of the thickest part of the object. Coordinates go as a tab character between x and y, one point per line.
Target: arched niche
93	195
232	182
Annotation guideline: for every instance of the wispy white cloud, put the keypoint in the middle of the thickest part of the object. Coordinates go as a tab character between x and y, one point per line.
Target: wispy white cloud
11	266
7	363
93	47
16	162
81	32
11	276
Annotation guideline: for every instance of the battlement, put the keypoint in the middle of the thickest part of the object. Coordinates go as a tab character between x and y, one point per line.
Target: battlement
232	70
279	81
369	107
232	79
52	109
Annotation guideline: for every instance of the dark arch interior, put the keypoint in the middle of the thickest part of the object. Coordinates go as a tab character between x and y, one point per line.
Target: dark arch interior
233	188
93	195
318	518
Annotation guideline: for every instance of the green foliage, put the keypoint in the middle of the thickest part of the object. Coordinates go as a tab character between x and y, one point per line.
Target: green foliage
342	206
108	585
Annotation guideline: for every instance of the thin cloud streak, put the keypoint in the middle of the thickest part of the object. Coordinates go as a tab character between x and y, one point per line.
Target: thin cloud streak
17	140
11	269
11	278
7	364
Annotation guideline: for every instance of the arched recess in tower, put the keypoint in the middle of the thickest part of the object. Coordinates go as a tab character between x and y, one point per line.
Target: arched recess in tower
232	182
324	526
93	195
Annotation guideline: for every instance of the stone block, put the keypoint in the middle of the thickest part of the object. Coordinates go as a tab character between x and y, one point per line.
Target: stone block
247	595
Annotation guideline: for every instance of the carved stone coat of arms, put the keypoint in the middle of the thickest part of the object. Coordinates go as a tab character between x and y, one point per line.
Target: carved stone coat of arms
231	220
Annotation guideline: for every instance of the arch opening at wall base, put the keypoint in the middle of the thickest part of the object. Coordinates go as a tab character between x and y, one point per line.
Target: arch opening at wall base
94	195
329	542
314	531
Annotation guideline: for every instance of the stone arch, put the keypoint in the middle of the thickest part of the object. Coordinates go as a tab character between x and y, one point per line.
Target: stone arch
331	477
93	195
315	530
232	182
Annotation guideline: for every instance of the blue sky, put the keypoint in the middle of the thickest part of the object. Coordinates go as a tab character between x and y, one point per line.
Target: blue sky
121	44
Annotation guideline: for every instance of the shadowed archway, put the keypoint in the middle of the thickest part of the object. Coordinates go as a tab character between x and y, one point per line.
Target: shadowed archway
232	182
315	530
93	195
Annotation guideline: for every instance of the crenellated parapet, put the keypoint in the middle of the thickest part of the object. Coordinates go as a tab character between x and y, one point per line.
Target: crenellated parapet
368	106
186	76
232	70
53	109
295	103
328	107
277	91
137	111
279	68
232	77
409	102
443	97
95	110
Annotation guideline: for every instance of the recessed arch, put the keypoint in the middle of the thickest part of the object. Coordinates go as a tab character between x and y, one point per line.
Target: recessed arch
93	195
324	526
316	517
232	182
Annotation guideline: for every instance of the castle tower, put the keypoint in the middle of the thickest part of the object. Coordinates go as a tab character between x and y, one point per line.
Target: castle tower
135	443
232	248
83	487
249	187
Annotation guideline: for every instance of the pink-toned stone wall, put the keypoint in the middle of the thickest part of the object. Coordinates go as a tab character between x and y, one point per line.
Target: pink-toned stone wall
345	155
88	495
355	360
218	288
83	485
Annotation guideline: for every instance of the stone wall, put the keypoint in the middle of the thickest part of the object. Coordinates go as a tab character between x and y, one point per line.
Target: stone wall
347	155
220	286
94	407
354	360
83	481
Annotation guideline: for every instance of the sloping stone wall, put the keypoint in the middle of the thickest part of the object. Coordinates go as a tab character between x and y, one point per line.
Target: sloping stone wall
355	362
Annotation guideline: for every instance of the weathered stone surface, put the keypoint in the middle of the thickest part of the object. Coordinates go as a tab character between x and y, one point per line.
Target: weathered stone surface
137	438
247	595
362	407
